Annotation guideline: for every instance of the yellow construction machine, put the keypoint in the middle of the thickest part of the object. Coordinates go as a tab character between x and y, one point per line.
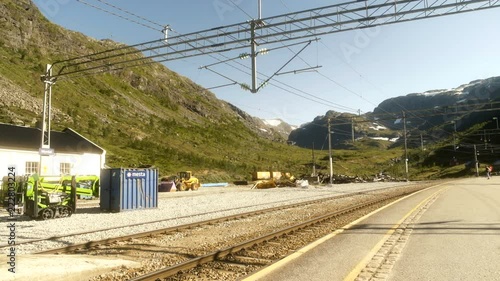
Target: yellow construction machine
186	181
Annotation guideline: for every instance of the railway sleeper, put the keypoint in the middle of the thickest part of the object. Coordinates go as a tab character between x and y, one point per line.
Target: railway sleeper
246	260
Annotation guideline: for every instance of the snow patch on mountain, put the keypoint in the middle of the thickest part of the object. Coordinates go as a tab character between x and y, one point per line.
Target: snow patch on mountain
272	122
456	91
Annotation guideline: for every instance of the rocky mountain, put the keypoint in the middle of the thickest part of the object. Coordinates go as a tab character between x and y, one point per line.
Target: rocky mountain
151	116
143	116
278	125
435	113
435	107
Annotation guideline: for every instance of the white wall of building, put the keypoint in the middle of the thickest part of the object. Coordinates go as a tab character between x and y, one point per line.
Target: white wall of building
80	164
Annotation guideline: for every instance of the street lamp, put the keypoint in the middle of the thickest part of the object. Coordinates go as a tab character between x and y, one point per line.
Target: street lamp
496	119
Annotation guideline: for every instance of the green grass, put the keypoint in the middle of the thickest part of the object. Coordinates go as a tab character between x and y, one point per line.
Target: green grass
150	116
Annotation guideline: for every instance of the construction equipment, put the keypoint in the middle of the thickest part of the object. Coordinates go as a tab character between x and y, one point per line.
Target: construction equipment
11	193
55	195
34	199
40	203
87	187
186	181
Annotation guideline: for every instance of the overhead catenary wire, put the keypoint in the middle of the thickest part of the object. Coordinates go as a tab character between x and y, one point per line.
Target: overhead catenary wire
328	78
107	57
130	13
117	15
205	53
239	8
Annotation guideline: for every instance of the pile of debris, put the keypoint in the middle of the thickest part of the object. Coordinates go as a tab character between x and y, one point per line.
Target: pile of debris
338	179
290	181
272	183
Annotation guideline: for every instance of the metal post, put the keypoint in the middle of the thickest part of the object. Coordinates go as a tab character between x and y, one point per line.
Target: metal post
454	135
165	32
253	54
47	96
475	160
260	9
352	129
485	141
73	194
46	114
406	146
330	151
314	162
496	119
422	142
35	199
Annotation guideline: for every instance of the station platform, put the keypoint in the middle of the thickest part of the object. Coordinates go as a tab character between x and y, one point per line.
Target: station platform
447	232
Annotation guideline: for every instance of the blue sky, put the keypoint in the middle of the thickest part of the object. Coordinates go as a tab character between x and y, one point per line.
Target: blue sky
360	68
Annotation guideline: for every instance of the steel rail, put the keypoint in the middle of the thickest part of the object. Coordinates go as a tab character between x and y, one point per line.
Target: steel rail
91	244
54	238
220	254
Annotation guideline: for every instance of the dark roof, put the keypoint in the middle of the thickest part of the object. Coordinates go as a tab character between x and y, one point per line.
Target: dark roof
26	138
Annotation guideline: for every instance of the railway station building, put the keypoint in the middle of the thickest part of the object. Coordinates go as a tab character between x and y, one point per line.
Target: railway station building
70	153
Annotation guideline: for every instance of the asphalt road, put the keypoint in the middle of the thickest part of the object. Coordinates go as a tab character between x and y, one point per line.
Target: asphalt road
447	232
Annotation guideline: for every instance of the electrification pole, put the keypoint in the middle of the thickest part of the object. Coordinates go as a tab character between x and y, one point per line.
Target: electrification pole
454	135
253	56
260	9
475	160
45	150
406	147
293	26
330	151
352	129
314	162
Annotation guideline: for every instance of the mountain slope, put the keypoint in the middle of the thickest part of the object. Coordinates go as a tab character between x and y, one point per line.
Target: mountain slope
142	116
432	113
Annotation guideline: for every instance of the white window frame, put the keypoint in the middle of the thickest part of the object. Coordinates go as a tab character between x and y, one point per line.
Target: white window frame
65	168
31	168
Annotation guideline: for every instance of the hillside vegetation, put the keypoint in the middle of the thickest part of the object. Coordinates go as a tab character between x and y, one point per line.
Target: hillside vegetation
150	116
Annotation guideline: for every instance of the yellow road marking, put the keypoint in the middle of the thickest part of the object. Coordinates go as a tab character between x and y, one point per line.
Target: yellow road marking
265	271
362	264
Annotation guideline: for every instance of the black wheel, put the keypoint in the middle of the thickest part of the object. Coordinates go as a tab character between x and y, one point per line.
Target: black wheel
46	214
66	212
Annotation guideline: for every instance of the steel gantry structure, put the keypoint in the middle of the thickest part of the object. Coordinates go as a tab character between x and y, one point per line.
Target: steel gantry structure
311	23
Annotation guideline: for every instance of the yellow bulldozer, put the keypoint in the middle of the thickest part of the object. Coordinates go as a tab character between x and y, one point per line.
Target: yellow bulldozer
186	181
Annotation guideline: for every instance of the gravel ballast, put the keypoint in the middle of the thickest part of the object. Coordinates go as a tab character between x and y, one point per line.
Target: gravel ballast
175	208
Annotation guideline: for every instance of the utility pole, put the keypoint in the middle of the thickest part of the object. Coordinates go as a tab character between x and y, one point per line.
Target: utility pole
45	150
406	147
253	56
330	151
485	140
260	9
454	135
475	160
314	162
421	142
352	129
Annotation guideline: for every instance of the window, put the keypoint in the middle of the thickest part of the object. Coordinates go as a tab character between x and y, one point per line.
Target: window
65	168
31	168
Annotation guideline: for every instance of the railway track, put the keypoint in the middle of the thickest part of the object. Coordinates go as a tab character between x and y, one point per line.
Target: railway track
238	260
85	234
212	243
91	244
